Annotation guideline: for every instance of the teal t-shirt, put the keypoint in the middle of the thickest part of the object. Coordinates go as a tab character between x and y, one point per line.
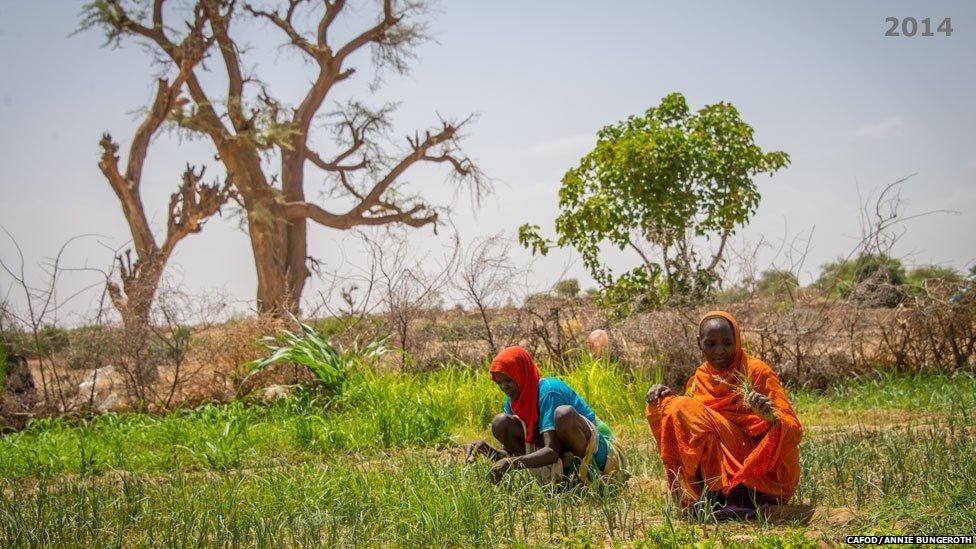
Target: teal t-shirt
554	392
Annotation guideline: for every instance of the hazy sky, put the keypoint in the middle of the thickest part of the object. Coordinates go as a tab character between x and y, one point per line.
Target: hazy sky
854	109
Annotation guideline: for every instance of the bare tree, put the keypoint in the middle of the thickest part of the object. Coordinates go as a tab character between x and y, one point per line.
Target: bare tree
488	278
41	304
408	287
246	122
189	206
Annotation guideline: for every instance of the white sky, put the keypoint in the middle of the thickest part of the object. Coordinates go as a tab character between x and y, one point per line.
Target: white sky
854	109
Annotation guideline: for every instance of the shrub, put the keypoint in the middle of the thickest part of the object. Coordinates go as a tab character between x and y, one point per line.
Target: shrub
569	288
459	329
777	284
329	364
870	279
342	324
91	346
52	339
920	275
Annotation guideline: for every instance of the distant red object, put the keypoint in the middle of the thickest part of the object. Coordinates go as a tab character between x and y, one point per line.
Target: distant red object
597	341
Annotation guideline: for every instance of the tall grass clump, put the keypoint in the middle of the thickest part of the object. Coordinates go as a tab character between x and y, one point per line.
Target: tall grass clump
328	363
614	394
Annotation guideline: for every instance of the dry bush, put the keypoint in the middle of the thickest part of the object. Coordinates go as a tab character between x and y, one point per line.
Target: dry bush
36	322
557	327
152	366
409	292
661	340
792	337
487	279
460	337
228	349
933	333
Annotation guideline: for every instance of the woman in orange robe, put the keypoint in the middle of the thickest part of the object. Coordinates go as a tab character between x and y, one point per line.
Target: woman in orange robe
733	428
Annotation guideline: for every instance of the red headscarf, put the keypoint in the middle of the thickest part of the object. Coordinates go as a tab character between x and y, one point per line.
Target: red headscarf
516	363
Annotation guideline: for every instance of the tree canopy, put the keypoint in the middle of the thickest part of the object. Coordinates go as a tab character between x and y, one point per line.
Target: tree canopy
920	275
659	184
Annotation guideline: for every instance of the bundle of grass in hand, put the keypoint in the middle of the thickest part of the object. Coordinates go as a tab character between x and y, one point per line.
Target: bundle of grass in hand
760	403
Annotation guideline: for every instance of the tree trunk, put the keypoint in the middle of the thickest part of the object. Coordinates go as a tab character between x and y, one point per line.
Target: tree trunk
296	269
140	282
276	251
278	244
269	244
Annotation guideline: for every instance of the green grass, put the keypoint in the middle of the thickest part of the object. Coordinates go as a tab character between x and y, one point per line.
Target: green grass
413	502
381	464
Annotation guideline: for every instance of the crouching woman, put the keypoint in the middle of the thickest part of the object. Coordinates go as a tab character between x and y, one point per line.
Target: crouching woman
546	427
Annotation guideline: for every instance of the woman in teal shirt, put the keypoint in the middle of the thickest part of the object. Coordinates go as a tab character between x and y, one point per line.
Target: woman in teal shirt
544	424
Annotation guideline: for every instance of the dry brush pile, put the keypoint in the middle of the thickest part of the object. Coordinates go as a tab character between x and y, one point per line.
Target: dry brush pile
811	341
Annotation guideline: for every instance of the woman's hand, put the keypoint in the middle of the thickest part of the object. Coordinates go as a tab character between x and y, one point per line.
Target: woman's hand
476	449
761	404
499	469
657	392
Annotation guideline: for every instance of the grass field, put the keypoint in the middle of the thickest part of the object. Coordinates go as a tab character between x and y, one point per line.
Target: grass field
382	464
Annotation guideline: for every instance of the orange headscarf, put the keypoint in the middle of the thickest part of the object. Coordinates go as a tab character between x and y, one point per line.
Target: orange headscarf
516	363
740	354
717	388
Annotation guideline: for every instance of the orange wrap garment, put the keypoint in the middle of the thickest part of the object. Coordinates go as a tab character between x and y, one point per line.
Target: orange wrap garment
710	434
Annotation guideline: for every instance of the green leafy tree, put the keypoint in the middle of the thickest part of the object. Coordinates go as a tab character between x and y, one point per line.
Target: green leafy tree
659	185
869	278
777	284
919	275
568	288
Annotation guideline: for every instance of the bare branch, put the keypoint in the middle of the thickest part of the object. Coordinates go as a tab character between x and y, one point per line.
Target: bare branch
717	258
332	10
419	152
375	33
220	23
334	165
157	15
192	205
462	166
127	190
297	210
285	24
